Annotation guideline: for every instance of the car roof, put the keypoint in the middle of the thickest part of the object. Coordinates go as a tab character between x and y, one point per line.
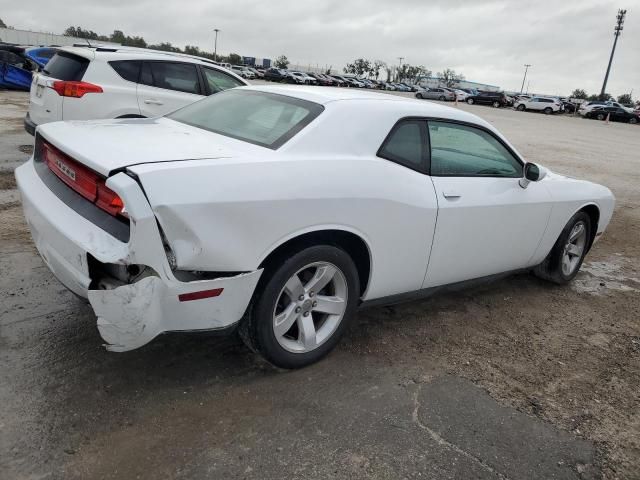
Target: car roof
324	96
132	53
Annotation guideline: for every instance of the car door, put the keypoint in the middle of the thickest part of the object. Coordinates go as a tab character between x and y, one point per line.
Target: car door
433	93
620	114
534	104
487	223
166	86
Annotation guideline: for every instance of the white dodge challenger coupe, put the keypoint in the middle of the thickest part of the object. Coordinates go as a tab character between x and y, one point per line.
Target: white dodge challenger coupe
281	210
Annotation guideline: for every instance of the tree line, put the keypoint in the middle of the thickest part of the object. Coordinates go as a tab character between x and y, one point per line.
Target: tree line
404	72
118	36
579	93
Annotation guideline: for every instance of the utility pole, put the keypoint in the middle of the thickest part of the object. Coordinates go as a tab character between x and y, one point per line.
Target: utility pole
215	45
399	68
616	33
526	68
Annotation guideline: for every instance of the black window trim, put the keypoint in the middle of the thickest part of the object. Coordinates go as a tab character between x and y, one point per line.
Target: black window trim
198	74
427	151
426	145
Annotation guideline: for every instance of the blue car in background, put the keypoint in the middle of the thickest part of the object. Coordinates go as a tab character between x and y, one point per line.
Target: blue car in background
17	64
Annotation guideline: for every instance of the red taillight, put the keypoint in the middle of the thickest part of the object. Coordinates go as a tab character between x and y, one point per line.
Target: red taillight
109	201
75	89
77	176
82	180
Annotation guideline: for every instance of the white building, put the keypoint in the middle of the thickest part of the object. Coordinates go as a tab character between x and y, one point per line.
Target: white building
26	37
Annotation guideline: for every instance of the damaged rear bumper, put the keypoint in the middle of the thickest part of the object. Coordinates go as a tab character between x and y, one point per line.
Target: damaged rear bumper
129	315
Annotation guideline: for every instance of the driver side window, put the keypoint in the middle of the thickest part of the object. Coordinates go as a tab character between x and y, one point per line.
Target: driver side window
464	151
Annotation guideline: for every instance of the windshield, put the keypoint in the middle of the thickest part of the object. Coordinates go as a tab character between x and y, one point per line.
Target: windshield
261	118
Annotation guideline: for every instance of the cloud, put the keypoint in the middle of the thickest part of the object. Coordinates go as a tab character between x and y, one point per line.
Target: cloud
568	43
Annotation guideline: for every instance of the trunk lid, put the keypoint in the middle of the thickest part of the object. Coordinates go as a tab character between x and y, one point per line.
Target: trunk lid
108	145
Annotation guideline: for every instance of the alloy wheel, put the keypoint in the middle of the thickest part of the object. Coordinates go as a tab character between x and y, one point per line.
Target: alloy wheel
310	307
574	248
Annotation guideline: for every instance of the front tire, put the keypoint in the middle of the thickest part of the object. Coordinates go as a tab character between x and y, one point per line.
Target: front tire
548	111
303	307
566	257
419	95
496	104
521	108
470	101
442	98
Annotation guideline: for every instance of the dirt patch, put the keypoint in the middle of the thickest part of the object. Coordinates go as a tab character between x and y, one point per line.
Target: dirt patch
28	149
7	180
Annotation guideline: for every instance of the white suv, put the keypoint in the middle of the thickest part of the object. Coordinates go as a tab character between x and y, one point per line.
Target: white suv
541	104
82	83
243	71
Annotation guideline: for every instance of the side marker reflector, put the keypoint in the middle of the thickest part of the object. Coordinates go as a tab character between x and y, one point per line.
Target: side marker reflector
186	297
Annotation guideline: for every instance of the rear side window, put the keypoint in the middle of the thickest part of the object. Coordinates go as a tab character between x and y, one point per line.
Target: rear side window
66	66
406	144
182	77
218	81
127	69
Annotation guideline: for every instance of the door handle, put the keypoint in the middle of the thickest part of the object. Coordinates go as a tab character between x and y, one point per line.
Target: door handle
152	102
451	195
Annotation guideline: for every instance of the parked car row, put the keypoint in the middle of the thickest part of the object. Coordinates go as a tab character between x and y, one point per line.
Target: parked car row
17	64
599	110
333	80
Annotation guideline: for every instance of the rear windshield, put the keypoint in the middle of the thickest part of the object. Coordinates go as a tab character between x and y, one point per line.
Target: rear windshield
265	119
66	66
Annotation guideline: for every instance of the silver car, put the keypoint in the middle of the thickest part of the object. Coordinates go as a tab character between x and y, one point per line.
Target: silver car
443	94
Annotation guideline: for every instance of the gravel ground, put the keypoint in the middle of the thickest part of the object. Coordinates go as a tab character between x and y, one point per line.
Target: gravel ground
405	393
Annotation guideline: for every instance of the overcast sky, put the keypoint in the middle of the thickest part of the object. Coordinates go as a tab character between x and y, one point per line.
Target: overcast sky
567	41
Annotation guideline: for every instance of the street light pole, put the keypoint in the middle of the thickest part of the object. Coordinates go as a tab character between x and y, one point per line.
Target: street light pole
526	68
215	45
616	32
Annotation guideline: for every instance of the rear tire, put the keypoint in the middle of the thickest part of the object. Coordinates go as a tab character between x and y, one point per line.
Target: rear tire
600	116
419	95
442	98
566	257
284	324
496	104
548	111
470	101
521	108
633	120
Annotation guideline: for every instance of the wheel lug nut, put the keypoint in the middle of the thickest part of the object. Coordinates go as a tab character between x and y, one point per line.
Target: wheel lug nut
301	297
306	314
298	309
315	304
311	294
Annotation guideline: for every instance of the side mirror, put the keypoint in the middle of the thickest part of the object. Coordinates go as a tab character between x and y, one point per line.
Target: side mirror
532	173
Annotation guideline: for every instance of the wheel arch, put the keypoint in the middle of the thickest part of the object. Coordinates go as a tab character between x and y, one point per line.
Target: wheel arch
350	241
593	211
